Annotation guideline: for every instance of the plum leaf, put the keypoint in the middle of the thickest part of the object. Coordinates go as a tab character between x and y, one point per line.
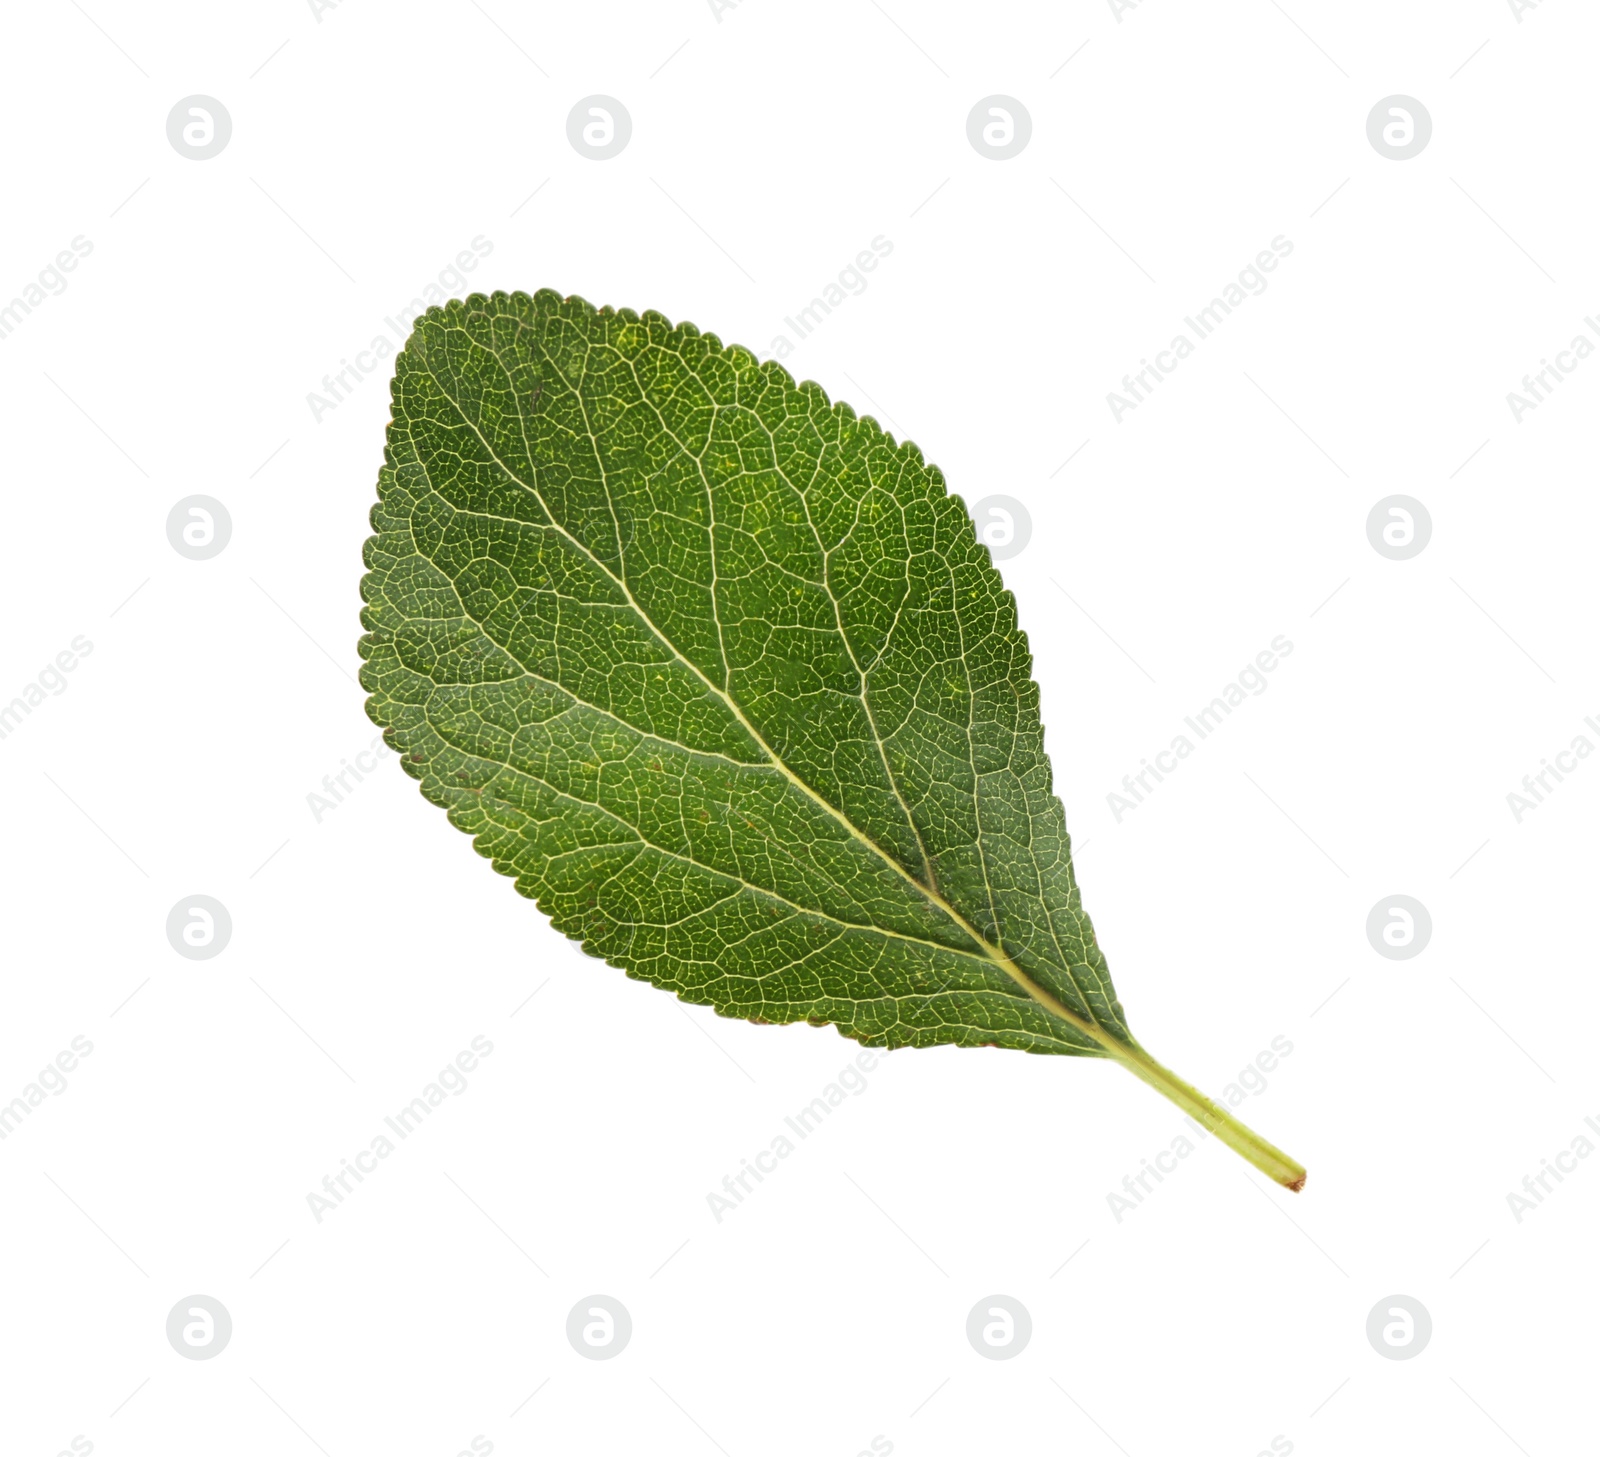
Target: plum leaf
721	675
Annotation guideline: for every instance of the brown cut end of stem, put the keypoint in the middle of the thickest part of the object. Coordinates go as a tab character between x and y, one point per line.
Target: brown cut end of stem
1297	1186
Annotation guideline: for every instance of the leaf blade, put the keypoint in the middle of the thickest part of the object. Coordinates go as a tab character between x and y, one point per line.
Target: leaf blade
557	473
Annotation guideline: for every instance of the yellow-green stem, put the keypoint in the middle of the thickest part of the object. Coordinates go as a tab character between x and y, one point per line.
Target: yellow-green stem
1217	1121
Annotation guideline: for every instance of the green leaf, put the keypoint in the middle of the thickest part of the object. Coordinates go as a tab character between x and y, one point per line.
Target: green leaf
722	676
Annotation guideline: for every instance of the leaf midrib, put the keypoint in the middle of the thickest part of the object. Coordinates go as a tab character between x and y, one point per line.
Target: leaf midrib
1087	1026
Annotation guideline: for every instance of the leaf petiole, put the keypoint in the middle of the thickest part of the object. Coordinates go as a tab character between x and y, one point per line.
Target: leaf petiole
1217	1121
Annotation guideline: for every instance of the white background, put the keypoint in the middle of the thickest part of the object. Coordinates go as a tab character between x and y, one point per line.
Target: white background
370	145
